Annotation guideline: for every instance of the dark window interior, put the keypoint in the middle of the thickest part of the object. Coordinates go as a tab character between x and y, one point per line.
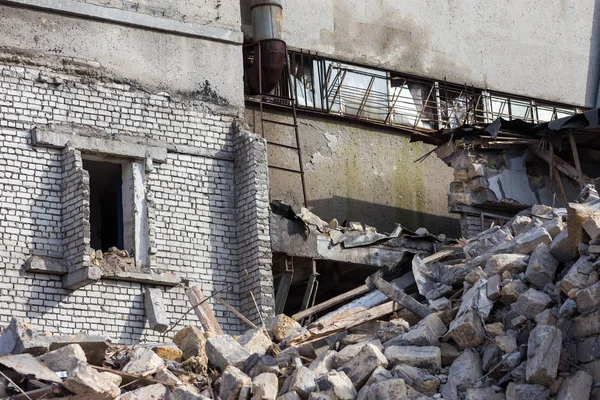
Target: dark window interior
106	208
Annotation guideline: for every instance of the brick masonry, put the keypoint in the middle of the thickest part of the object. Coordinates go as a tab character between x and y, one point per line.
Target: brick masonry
207	216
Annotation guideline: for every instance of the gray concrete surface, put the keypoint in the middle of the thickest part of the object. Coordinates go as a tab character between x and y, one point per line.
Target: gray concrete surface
360	173
542	48
160	62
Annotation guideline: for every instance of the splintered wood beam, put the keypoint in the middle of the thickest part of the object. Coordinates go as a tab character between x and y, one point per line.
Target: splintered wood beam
576	159
562	166
331	302
203	310
399	296
236	312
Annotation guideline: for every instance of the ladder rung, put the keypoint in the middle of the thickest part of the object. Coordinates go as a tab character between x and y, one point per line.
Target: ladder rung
280	123
284	146
287	169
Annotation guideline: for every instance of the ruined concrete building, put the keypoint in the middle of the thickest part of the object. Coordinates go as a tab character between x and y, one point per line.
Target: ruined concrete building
142	141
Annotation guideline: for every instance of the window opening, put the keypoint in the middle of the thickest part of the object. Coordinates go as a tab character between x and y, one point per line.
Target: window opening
106	204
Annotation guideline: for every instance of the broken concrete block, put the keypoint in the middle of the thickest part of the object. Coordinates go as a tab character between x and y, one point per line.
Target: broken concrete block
433	322
19	337
420	335
542	267
256	365
417	378
588	299
151	392
255	341
507	344
187	392
27	365
290	396
143	360
323	364
429	358
545	318
349	352
528	241
531	303
156	312
191	341
380	374
467	330
282	326
302	381
440	304
487	240
577	386
64	359
554	226
492	355
223	350
516	391
449	353
577	214
475	275
591	225
586	325
391	389
83	379
487	393
168	352
94	346
360	368
114	378
511	291
577	276
495	329
520	224
499	263
465	371
493	287
336	385
543	355
166	376
265	387
588	350
233	382
561	247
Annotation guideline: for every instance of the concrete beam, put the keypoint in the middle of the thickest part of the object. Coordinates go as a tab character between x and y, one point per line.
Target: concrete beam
109	147
130	18
150	279
80	278
371	255
156	312
45	265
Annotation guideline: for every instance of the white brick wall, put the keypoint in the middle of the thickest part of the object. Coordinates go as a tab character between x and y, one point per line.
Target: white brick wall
192	203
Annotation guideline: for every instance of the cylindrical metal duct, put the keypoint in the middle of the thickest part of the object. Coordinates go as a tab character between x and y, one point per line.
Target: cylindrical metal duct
267	19
268	37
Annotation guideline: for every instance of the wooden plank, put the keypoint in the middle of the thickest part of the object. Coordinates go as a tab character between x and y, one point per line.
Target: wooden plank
562	166
576	159
341	322
331	302
284	285
129	378
204	311
438	256
400	297
236	312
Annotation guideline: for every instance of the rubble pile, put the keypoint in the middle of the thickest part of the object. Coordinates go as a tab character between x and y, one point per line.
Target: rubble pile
513	313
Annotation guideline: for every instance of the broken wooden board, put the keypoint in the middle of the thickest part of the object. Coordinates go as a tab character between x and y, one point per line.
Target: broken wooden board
203	310
400	297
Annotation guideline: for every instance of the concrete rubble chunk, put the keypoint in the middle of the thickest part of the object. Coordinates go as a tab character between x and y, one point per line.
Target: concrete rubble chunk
151	392
586	325
528	241
531	303
577	386
588	349
475	275
523	391
83	379
360	368
256	365
166	376
561	247
94	346
255	341
114	378
449	353
577	214
520	224
64	359
487	240
428	358
488	393
511	291
577	276
545	318
186	392
433	322
543	355
542	267
380	374
156	311
464	372
223	350
143	360
350	351
499	263
391	389
493	288
591	225
467	330
420	335
495	329
588	299
265	386
417	378
282	326
323	364
290	396
492	355
234	384
302	381
336	385
191	341
168	352
26	364
554	226
507	344
19	337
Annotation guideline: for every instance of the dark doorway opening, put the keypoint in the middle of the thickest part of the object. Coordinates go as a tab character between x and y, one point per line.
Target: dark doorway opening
106	206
